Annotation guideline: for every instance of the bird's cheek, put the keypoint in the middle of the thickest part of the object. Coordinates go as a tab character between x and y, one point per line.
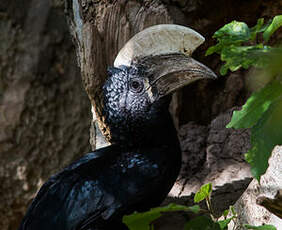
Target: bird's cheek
123	103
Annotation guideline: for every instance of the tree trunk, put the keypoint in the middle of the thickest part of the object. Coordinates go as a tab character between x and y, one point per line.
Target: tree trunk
44	113
100	30
248	208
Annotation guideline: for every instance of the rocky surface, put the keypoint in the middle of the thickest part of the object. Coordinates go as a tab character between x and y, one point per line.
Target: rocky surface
211	154
44	111
248	208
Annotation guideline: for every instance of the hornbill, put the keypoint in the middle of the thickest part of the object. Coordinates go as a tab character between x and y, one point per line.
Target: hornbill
137	171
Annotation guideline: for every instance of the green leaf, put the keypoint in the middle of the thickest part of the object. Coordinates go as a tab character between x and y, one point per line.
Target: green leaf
202	223
225	213
232	39
275	24
203	193
142	221
214	49
224	223
233	210
266	134
194	208
257	28
262	227
275	67
244	56
256	106
233	33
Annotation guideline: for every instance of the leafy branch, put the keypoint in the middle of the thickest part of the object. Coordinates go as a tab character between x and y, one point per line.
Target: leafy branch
145	220
239	46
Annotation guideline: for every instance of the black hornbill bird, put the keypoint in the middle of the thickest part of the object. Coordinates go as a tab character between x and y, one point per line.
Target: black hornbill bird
138	170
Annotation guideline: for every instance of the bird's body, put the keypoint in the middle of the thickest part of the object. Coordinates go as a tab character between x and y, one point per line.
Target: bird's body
134	174
137	171
77	198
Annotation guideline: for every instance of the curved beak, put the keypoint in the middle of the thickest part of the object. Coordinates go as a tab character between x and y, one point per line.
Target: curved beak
173	71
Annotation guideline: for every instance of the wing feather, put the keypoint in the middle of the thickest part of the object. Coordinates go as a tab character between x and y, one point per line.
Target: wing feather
56	205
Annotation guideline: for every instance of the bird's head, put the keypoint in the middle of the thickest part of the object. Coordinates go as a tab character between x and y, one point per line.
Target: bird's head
136	93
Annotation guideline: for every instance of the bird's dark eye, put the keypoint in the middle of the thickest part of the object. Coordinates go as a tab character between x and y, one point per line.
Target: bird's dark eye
136	86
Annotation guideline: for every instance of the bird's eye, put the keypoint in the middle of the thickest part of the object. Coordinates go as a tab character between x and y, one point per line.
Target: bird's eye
136	86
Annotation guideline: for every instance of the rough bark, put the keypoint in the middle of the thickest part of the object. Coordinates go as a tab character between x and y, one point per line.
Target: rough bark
216	156
100	30
44	113
247	207
211	154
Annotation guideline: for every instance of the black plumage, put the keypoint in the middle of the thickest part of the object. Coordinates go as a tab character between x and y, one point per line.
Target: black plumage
134	174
